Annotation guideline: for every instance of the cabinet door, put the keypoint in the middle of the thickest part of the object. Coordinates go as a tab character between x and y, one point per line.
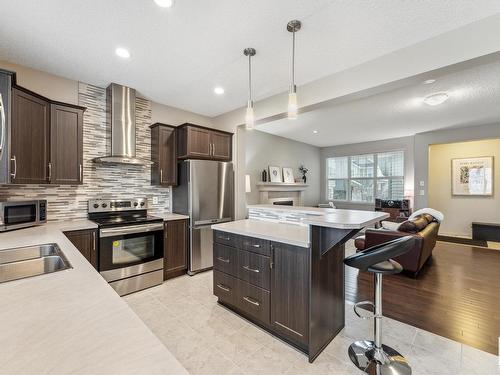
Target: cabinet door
198	142
86	242
167	157
29	139
66	145
221	145
175	257
290	291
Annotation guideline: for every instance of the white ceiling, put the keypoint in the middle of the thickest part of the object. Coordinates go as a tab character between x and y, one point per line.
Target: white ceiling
180	54
474	99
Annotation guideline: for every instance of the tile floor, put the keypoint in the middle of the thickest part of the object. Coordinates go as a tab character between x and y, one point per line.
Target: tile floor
209	339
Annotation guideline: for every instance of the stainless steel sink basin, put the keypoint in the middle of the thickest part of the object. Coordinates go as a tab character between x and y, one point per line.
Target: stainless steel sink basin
31	261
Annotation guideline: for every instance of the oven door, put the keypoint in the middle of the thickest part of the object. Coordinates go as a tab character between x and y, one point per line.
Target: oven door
130	250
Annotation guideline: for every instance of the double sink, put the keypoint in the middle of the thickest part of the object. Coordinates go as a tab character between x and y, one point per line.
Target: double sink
31	261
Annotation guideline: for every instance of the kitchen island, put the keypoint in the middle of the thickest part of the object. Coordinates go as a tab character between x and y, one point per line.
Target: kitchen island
72	321
283	270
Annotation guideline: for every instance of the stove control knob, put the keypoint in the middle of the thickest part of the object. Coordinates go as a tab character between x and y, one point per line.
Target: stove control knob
104	205
136	204
142	204
96	205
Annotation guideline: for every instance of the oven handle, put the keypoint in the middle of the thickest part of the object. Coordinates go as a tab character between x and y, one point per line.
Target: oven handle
111	232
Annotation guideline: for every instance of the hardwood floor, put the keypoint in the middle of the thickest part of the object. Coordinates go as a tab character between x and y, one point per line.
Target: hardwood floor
456	295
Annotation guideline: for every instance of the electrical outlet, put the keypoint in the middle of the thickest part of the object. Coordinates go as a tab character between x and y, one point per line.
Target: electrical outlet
422	183
155	200
422	192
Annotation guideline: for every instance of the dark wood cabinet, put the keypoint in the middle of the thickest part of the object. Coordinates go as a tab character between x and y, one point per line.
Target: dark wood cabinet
290	286
86	242
163	155
198	142
46	140
29	138
66	145
176	244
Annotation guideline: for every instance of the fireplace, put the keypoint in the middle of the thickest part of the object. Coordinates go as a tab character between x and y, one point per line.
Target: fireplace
284	203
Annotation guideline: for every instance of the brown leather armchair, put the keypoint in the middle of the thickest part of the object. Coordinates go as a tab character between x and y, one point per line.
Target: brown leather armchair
413	260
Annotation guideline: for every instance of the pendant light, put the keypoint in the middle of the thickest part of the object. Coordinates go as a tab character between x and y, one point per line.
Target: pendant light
293	26
249	117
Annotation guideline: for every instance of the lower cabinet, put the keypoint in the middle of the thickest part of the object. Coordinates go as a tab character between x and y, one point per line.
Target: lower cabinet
175	250
86	242
267	282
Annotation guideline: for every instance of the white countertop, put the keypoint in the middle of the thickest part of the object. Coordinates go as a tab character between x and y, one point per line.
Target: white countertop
327	217
172	216
72	321
279	232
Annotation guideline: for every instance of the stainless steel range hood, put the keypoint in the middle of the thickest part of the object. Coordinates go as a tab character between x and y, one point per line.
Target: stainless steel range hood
120	109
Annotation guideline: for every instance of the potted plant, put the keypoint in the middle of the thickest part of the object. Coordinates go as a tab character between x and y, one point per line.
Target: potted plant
304	171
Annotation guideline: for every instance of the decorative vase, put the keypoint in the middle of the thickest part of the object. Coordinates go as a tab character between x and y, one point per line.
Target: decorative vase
304	178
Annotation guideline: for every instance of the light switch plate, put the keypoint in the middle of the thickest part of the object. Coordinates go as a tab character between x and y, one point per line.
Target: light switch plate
155	200
422	183
422	192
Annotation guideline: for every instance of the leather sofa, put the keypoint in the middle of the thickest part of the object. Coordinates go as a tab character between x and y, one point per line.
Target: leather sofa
424	228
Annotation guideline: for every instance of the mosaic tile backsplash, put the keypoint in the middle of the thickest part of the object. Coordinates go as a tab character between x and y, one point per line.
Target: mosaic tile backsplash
99	181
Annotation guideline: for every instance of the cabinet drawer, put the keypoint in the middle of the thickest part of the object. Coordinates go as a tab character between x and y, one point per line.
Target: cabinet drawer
254	268
254	301
225	238
225	259
256	245
225	288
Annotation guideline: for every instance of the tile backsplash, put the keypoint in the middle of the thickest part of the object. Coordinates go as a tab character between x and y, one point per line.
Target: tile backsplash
99	181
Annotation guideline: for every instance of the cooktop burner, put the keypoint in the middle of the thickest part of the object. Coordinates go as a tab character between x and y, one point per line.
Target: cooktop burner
113	212
124	220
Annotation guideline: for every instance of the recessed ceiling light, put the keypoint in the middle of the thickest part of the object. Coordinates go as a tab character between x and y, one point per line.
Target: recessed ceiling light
219	90
164	3
122	52
436	99
429	81
315	131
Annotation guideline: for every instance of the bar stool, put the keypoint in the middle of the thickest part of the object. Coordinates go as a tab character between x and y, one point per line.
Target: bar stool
373	357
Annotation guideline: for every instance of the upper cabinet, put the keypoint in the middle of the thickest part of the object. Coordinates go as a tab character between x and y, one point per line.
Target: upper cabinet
46	140
163	155
66	145
30	138
197	142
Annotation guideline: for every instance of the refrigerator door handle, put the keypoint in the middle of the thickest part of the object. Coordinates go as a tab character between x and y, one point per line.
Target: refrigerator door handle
199	223
3	128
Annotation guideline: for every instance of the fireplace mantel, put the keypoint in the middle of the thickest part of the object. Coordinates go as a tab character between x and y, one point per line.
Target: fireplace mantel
278	191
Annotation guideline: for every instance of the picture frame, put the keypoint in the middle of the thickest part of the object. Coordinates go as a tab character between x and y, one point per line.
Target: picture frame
472	176
288	177
275	174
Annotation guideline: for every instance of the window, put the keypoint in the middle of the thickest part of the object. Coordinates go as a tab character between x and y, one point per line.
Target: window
362	178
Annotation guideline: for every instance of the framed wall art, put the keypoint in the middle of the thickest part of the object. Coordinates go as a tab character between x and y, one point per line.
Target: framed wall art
275	174
472	176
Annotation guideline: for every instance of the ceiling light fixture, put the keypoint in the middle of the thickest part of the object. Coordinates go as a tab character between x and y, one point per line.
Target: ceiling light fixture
122	52
249	117
436	99
429	81
315	131
164	3
219	90
293	26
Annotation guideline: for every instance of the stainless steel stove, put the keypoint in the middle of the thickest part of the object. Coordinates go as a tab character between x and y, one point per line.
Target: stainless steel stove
130	244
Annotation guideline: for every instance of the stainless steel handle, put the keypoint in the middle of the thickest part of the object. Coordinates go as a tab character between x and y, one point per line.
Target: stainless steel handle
81	173
161	176
256	246
130	230
14	174
224	288
252	301
213	149
224	238
251	269
50	172
93	241
4	129
223	260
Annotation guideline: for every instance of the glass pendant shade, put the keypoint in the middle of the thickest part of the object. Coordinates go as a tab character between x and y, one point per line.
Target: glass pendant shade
292	105
249	117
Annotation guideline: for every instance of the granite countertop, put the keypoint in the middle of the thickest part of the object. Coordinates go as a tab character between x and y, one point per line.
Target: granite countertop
172	216
325	217
280	232
72	321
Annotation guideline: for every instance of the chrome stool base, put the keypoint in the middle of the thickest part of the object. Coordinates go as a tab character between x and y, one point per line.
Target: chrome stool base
387	361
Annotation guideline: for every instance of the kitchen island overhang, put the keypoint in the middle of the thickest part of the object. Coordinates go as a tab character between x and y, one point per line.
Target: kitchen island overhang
303	301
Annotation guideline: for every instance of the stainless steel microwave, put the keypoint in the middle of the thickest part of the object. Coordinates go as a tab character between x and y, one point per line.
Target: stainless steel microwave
22	214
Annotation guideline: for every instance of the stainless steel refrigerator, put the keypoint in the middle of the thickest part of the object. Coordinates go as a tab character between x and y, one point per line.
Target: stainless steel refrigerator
205	193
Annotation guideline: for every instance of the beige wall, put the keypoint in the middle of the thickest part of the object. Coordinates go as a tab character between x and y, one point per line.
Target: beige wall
461	211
